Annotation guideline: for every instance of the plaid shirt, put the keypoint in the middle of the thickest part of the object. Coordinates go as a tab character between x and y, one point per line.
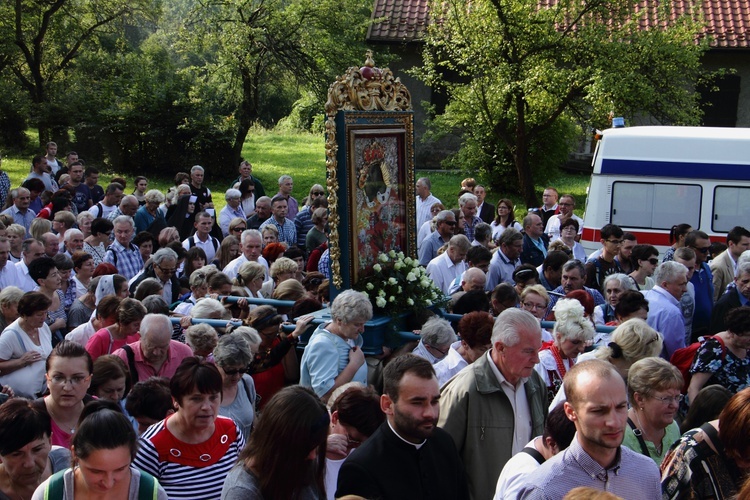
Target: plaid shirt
128	261
287	232
469	229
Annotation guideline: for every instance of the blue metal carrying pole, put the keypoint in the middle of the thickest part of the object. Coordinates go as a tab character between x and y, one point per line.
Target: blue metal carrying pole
216	323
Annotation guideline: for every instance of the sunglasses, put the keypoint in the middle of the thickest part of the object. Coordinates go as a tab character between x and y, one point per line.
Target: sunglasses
449	222
318	193
234	372
238	229
654	261
703	250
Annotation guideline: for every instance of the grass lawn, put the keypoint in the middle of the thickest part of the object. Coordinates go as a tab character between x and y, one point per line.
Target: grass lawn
302	155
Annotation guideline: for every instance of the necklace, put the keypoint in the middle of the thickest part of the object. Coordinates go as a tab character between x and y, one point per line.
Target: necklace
657	443
60	423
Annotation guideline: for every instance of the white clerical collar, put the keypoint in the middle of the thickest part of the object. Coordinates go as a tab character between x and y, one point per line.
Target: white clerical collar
417	446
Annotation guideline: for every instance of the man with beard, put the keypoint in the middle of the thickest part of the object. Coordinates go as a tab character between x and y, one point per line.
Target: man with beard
408	456
598	406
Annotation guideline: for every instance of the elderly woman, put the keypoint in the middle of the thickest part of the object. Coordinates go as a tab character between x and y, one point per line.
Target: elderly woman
198	289
535	300
231	211
571	334
25	345
232	356
130	313
84	220
96	243
281	270
145	242
83	265
64	265
475	330
630	342
26	458
654	393
711	461
167	236
316	236
645	259
148	217
9	298
613	287
69	369
334	355
275	361
202	339
722	359
191	451
435	341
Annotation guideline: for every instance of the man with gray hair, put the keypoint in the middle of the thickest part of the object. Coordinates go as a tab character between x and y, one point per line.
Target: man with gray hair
251	244
506	259
123	254
445	226
199	190
425	200
435	340
156	354
535	242
163	267
468	205
20	211
128	206
450	265
737	295
232	210
286	184
664	312
493	407
73	241
262	213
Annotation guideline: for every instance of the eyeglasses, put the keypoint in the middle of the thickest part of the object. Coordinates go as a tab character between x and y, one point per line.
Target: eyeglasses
531	305
449	222
238	229
654	261
317	193
60	380
614	242
166	271
444	353
233	372
670	399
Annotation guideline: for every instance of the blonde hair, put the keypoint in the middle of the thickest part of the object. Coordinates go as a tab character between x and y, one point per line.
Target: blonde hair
634	340
283	265
649	375
537	290
39	227
570	321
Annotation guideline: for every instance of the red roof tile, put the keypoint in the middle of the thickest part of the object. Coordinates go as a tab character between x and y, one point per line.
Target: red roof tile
727	21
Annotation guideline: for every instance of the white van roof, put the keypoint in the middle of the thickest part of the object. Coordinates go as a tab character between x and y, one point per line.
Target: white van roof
686	152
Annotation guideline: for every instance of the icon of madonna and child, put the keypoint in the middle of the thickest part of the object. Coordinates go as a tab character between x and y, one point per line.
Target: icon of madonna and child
379	199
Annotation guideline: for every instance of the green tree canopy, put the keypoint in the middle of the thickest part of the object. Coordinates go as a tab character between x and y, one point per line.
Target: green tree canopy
520	73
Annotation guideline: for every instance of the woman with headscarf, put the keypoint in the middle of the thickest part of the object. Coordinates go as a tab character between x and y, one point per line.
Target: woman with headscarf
183	216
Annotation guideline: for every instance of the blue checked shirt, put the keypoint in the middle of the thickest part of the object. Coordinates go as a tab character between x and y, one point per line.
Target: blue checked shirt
128	261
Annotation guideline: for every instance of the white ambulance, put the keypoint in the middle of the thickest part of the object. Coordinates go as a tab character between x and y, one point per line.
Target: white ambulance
647	179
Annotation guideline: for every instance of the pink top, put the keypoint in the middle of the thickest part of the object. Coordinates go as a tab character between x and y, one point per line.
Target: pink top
177	352
102	343
59	437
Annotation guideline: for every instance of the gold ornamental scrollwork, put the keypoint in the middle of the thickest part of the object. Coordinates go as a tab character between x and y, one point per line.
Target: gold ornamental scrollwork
359	89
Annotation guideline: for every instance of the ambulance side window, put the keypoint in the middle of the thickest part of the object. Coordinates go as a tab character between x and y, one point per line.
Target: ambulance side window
731	208
655	206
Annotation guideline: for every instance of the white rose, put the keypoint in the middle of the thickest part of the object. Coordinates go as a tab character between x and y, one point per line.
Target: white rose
377	268
392	281
392	299
410	301
427	302
392	254
411	277
381	293
398	265
383	257
370	286
425	282
408	261
380	302
401	255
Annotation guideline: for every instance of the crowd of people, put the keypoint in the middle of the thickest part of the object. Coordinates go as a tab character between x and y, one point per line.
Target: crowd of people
112	387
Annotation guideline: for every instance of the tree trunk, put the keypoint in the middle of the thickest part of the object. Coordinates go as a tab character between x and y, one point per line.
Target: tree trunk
247	112
521	156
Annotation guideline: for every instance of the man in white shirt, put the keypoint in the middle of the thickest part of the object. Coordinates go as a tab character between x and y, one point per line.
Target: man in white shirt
425	200
31	250
202	237
566	206
112	197
450	265
8	275
252	244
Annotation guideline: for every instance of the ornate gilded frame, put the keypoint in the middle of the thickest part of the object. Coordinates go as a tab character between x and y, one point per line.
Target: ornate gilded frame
365	104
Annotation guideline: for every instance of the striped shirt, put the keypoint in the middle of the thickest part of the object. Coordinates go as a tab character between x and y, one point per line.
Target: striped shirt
182	481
